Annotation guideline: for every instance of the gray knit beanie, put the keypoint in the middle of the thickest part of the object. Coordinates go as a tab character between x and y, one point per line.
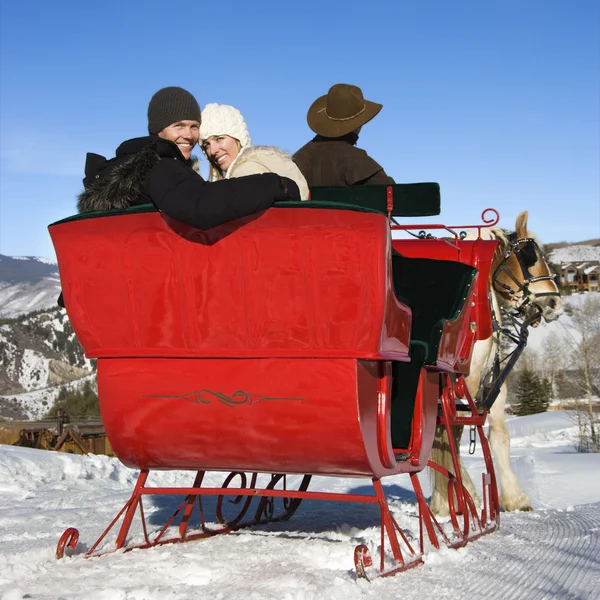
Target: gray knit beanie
170	105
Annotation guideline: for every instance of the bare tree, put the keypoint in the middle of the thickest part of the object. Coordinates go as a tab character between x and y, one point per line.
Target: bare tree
583	340
553	358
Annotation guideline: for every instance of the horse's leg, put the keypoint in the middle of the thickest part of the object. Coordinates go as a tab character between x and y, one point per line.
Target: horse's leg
512	497
464	474
442	455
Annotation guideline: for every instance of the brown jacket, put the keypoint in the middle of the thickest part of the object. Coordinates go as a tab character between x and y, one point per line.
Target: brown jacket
337	162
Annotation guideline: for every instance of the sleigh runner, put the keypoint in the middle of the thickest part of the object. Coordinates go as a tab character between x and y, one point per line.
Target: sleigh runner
288	343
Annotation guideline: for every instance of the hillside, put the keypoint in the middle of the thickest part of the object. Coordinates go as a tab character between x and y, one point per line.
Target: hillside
574	253
38	353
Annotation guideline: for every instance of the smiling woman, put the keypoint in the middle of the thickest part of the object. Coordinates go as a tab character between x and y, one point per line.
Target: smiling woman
226	143
221	151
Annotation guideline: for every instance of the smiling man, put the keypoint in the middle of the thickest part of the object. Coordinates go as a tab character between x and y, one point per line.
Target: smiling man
174	115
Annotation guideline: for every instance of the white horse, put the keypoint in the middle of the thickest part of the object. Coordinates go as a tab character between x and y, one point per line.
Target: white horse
520	280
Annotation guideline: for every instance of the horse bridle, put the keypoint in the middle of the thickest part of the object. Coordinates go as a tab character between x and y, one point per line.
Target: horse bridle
521	319
517	246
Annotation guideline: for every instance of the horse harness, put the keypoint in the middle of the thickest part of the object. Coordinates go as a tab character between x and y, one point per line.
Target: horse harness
527	252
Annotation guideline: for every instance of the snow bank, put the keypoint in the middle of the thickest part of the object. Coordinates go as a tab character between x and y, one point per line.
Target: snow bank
554	427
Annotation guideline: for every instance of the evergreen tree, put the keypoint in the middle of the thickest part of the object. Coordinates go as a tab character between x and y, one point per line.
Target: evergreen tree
77	403
533	394
546	392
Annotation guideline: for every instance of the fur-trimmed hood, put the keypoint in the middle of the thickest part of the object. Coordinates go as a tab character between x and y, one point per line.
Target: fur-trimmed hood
118	183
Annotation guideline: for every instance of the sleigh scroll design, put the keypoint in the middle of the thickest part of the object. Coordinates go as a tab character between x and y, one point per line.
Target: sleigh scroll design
237	399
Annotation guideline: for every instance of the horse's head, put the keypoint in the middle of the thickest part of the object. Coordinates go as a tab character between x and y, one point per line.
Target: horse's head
521	275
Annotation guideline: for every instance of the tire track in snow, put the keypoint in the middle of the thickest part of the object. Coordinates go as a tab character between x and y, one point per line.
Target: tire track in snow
564	562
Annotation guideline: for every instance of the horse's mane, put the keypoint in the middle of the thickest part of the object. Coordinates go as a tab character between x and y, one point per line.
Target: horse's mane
489	234
496	233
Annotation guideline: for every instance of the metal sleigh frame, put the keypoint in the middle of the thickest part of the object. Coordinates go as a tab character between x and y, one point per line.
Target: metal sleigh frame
467	523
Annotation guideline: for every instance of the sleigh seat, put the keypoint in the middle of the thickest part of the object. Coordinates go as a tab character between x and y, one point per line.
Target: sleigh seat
439	294
475	253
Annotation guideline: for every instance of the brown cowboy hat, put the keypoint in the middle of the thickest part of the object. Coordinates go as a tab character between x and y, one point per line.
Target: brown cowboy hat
342	110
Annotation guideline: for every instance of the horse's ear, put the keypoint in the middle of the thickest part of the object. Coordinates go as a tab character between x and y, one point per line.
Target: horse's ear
521	227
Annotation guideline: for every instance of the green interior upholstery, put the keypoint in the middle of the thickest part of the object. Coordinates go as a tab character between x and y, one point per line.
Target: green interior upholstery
436	291
405	379
132	210
410	199
145	208
325	204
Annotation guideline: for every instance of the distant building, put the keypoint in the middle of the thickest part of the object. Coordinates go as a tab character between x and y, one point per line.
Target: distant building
581	277
578	266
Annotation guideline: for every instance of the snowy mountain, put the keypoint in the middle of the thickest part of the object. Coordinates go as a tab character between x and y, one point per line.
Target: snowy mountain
38	354
27	283
551	553
38	349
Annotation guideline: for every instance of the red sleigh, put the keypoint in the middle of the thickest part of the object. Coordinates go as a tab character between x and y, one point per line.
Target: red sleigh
288	343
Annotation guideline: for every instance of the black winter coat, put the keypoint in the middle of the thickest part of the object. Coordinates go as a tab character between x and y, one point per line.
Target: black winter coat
337	162
151	169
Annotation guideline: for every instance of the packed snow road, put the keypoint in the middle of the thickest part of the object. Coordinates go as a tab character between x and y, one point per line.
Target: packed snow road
535	556
553	552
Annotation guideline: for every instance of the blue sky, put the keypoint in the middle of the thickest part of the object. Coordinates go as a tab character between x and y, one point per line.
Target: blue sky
497	100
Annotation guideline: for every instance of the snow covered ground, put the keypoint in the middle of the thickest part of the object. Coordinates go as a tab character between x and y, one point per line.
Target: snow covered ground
553	552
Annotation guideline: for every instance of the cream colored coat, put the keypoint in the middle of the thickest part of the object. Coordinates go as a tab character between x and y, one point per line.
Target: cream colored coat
266	159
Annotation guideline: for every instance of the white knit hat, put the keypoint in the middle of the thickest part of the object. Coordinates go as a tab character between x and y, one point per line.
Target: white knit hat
222	119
